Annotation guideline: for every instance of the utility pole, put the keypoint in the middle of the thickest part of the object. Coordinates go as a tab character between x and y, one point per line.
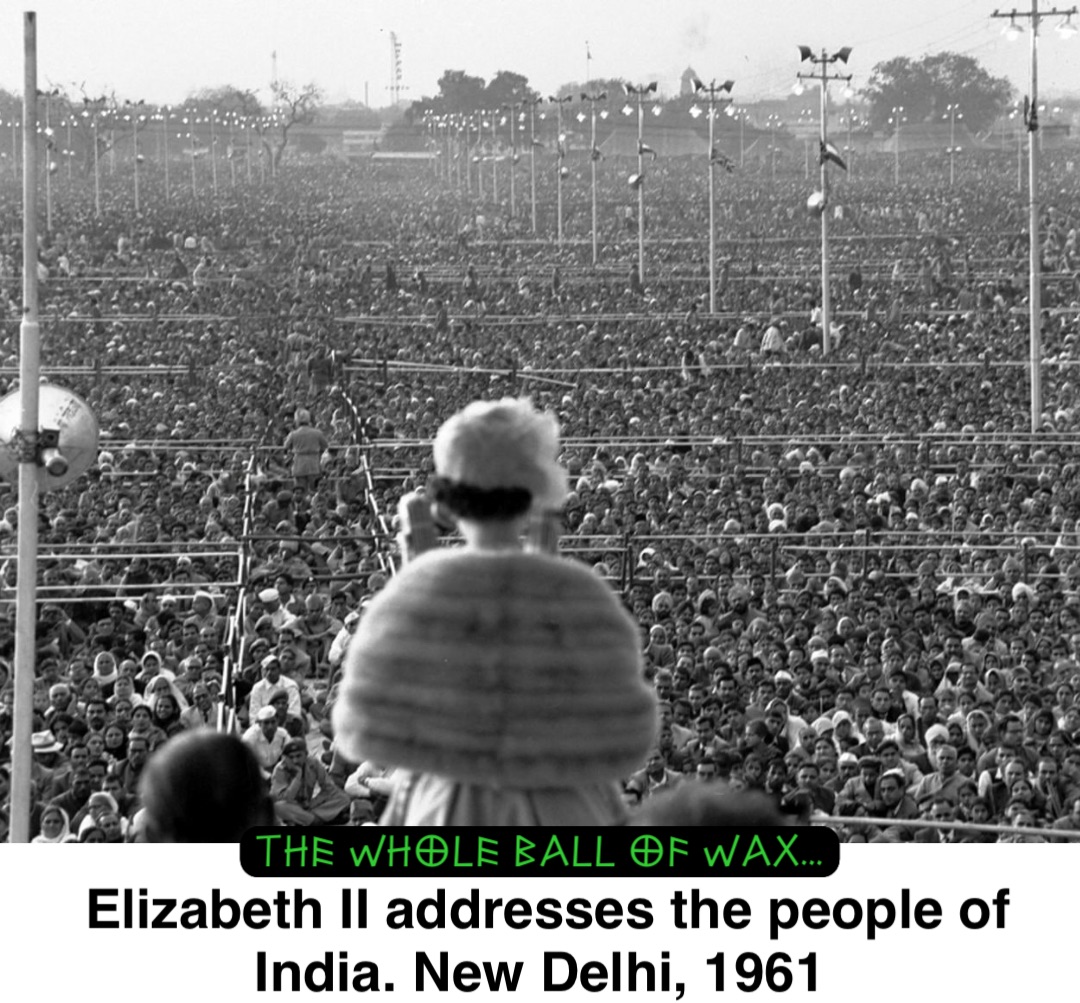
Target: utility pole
824	61
714	91
1031	120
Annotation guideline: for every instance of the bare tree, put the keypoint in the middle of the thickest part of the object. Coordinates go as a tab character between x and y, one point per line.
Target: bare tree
292	106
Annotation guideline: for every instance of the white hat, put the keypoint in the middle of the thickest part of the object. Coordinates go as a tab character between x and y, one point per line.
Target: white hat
503	444
266	713
45	741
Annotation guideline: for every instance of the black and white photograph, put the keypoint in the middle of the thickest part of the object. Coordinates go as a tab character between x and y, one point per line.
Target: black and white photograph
483	414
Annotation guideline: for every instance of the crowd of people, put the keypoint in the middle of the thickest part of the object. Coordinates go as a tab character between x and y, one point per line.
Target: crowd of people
855	571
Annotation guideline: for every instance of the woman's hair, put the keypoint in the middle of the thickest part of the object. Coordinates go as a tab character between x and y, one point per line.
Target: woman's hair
203	787
480	504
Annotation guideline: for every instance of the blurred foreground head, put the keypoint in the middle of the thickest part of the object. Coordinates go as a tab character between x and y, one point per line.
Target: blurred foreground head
203	787
709	804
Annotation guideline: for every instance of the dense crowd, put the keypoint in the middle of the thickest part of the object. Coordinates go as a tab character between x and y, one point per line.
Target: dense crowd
857	575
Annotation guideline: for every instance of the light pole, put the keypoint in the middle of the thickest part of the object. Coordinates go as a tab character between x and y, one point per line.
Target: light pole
896	120
462	147
231	148
511	119
560	168
91	110
740	115
594	156
135	119
191	151
480	155
14	124
714	91
165	145
638	180
467	125
850	120
1031	118
952	113
773	124
1013	115
69	152
213	151
50	164
824	61
494	157
532	103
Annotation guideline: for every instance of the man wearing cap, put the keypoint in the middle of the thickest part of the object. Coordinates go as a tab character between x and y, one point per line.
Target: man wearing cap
271	600
48	764
307	445
266	738
204	613
302	790
272	679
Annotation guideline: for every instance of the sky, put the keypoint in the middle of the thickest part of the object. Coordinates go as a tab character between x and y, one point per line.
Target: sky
162	50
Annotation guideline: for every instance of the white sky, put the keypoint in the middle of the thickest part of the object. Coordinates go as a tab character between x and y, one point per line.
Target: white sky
161	50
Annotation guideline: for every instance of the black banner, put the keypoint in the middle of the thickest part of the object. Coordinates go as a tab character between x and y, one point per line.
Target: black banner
474	852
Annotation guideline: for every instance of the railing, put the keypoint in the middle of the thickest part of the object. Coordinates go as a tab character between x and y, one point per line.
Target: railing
382	554
838	821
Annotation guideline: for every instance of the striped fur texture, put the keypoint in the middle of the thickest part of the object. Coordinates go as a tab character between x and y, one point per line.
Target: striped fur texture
509	668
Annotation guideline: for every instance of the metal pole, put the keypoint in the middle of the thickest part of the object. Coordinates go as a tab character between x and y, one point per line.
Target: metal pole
896	151
558	170
97	169
48	161
641	186
468	159
194	185
135	155
826	306
712	207
1035	292
592	163
29	369
165	146
850	147
494	159
513	159
1019	160
213	154
459	142
532	161
480	155
68	151
952	146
